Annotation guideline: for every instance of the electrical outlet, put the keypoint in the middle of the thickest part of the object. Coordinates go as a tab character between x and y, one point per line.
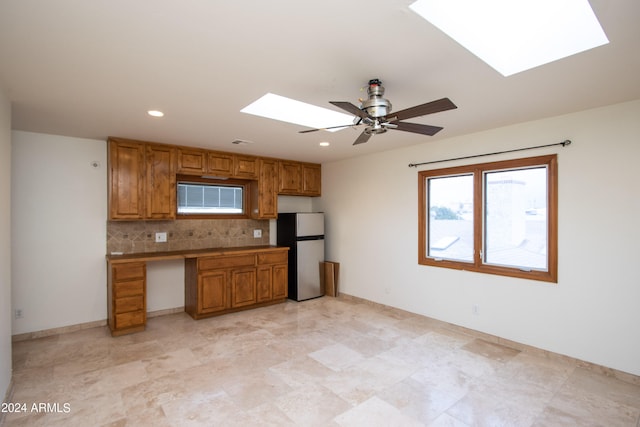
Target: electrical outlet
18	313
161	237
257	233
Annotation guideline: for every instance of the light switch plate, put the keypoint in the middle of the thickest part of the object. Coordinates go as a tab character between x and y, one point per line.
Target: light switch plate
161	237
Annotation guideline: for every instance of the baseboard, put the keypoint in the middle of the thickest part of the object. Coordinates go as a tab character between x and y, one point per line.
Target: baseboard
610	372
8	397
57	331
164	312
78	327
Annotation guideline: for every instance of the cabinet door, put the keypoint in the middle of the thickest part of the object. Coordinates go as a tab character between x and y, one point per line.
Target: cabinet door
213	294
219	164
245	167
191	161
279	282
311	179
266	198
263	292
289	177
243	287
161	182
126	180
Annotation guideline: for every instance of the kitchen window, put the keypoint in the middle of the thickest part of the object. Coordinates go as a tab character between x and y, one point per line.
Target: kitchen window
498	218
211	198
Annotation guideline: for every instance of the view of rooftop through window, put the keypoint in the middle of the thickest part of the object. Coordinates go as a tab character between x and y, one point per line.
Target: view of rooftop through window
515	219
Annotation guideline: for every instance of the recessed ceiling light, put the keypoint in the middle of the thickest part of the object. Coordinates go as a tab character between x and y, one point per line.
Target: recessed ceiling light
289	110
513	36
155	113
324	144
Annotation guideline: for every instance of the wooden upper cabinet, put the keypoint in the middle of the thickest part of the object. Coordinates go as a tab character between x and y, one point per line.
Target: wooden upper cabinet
142	180
126	179
160	182
264	191
299	179
219	164
245	167
311	179
289	177
192	161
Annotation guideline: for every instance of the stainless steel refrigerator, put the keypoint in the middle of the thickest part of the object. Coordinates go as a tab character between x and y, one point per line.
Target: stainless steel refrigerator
303	233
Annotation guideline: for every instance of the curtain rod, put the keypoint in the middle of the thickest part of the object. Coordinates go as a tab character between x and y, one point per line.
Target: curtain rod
563	143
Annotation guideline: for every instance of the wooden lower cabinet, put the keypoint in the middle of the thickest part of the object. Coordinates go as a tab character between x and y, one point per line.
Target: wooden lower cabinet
279	281
213	291
243	287
126	302
226	283
214	283
272	276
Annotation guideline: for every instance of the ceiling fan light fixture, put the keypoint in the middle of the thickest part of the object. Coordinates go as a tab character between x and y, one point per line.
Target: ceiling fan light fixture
376	105
376	128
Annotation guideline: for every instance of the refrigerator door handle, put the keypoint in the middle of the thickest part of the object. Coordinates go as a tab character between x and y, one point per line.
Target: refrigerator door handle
303	238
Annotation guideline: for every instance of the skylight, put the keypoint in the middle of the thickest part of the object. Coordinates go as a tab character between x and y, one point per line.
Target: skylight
514	36
289	110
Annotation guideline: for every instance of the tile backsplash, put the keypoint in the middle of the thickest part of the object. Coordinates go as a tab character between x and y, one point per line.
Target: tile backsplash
140	236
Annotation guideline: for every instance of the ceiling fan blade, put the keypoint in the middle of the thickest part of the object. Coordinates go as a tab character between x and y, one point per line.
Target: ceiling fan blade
364	137
418	128
347	106
443	104
330	127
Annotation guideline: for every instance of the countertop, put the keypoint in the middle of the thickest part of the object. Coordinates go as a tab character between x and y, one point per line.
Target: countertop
190	253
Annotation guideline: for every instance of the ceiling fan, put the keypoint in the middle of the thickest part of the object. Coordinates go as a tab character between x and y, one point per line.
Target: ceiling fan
375	114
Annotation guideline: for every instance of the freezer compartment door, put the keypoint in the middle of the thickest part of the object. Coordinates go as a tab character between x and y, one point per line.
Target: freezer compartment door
310	224
310	255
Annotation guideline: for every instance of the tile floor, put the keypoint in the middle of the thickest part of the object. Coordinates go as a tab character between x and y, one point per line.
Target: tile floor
324	362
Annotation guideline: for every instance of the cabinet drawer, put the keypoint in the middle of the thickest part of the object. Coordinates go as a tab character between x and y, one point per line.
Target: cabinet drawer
128	271
125	320
128	288
127	304
273	258
210	263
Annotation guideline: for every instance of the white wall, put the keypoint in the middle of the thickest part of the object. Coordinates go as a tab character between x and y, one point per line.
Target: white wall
5	245
592	313
165	285
59	213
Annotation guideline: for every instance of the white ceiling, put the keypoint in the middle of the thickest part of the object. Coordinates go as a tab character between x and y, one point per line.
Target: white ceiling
92	69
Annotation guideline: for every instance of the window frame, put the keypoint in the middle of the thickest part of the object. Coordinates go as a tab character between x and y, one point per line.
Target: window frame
478	171
246	196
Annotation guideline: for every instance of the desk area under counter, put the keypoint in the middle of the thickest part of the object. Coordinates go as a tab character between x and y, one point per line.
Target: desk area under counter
216	281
